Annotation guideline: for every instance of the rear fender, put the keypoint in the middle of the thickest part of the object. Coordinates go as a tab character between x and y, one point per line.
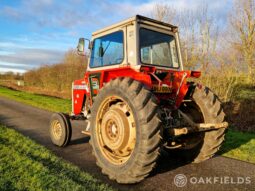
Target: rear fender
79	91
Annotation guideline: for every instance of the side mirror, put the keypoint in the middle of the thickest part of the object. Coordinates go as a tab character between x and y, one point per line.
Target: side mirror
81	46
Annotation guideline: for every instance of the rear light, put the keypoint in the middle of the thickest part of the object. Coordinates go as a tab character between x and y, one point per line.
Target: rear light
195	74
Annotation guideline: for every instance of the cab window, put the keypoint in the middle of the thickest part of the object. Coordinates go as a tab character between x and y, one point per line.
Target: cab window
107	50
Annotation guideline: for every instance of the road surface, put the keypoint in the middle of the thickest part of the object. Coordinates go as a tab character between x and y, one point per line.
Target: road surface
219	173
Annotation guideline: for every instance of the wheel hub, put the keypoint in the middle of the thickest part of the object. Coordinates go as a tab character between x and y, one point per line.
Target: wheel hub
116	132
57	130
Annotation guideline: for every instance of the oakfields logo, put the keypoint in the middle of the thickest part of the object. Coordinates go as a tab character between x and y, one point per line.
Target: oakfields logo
180	180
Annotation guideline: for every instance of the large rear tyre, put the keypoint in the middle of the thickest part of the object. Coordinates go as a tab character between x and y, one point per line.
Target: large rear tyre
125	130
204	107
60	129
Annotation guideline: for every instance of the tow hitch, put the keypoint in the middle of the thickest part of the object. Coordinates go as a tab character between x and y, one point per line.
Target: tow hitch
195	127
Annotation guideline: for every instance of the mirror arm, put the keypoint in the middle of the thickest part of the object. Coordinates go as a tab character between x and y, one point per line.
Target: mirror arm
81	53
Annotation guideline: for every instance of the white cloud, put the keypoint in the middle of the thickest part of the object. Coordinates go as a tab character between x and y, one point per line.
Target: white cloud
84	14
9	64
216	7
14	70
50	13
33	57
71	13
14	67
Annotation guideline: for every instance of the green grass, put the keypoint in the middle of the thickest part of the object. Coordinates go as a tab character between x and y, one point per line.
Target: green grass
244	92
239	145
26	165
40	101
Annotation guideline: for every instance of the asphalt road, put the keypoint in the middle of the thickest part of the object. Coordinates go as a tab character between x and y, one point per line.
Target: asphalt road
219	173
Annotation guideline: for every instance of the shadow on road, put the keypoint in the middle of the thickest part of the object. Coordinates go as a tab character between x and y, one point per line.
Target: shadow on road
79	141
168	161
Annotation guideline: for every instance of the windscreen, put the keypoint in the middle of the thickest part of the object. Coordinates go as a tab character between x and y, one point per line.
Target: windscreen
107	50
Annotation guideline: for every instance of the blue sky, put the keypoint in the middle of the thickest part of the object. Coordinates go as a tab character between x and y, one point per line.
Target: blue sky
36	32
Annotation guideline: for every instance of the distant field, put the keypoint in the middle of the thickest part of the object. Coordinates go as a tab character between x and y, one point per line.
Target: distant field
238	145
26	165
40	101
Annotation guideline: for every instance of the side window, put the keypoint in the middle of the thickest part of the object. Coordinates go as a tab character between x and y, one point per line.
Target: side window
107	50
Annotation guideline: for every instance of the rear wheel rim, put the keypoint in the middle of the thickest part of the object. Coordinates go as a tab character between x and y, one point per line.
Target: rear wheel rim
115	130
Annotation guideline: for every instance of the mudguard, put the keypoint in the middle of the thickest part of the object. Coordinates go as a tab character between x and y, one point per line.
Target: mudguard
79	91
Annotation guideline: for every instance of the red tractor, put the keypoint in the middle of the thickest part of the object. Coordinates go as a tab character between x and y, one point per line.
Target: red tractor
137	101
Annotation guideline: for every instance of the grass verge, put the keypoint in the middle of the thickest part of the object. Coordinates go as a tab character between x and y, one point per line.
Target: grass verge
239	145
26	165
40	101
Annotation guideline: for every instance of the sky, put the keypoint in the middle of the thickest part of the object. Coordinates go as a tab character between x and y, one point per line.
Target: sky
37	32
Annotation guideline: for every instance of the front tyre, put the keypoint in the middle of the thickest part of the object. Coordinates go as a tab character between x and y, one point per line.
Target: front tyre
125	130
60	129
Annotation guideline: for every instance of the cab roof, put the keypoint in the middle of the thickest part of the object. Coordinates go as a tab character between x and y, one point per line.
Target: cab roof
139	19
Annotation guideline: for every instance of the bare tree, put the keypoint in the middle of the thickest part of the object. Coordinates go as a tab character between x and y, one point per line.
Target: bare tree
199	37
187	22
208	37
163	12
242	20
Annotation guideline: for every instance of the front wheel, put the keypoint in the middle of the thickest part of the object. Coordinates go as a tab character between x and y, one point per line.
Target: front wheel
125	130
60	129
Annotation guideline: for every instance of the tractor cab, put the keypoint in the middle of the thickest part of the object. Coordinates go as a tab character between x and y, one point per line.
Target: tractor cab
135	42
